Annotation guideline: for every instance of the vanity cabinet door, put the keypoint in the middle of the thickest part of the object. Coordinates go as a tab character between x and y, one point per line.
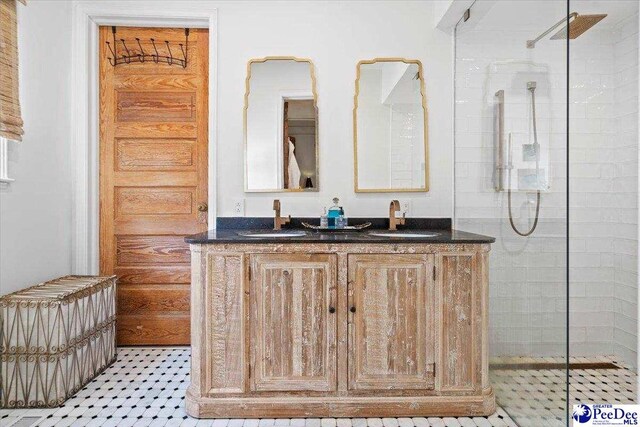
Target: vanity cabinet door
293	322
391	322
463	305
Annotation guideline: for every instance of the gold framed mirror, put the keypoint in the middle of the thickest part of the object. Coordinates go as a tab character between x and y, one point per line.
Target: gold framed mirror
281	125
390	132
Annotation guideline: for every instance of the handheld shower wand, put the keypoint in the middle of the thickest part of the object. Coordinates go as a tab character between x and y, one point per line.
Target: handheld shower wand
531	87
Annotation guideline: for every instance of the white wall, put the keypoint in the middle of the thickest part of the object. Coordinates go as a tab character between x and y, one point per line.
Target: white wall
335	36
35	210
35	222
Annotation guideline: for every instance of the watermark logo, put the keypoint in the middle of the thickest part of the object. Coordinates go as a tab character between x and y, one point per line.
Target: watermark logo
582	413
605	415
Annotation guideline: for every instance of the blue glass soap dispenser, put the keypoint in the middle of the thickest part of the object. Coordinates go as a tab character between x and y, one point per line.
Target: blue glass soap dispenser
334	213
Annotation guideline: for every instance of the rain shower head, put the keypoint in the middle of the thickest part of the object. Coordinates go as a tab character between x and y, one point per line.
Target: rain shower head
578	25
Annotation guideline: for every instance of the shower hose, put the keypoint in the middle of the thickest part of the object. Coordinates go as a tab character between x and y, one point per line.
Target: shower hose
537	152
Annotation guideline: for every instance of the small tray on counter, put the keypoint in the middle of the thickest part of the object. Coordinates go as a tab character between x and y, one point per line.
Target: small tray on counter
358	227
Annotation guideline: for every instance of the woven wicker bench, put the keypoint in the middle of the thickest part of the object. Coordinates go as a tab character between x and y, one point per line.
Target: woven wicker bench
55	337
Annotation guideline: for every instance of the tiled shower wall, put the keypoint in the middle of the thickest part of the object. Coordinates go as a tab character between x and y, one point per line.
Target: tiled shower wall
625	244
527	295
593	202
527	275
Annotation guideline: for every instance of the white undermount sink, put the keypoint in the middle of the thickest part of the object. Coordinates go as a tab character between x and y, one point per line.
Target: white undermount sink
275	234
401	234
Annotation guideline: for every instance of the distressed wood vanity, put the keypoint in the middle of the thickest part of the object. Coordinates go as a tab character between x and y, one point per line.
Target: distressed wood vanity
343	326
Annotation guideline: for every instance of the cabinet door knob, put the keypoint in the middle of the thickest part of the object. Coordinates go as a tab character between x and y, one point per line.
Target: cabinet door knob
203	207
332	310
353	309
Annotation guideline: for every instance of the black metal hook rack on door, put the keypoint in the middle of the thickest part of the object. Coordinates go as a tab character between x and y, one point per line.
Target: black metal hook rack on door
132	55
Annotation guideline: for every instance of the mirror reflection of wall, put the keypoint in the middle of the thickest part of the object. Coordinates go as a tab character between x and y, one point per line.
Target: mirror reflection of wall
281	126
390	127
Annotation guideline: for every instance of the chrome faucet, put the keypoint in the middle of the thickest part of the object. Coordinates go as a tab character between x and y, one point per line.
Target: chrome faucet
393	220
279	221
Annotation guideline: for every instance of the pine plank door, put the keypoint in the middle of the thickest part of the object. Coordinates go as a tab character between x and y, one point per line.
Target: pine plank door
391	322
293	322
153	180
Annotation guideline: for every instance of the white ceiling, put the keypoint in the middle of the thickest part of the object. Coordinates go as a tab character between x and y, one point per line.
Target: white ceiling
539	15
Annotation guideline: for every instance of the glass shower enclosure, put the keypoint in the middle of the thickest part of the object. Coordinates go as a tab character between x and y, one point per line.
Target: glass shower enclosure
546	161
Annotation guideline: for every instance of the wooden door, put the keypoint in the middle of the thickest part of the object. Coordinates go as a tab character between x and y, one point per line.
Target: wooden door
391	321
153	180
460	328
293	322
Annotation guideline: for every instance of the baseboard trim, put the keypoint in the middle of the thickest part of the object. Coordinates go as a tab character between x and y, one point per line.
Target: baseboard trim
340	406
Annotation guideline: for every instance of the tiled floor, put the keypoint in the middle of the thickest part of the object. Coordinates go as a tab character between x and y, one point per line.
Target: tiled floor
536	397
146	387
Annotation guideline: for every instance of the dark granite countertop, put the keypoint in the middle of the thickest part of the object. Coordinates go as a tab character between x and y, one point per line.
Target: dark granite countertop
229	229
233	236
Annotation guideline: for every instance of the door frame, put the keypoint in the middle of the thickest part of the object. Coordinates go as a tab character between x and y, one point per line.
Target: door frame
282	97
87	17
